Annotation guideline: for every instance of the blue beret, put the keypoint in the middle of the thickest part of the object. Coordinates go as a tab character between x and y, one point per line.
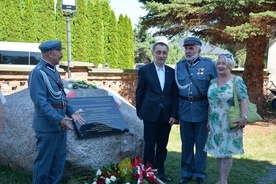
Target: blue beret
50	45
192	41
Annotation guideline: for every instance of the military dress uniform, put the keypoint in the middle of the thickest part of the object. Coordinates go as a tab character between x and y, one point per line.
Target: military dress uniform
50	107
193	112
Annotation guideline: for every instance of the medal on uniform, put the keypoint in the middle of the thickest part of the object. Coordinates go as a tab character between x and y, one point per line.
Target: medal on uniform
200	71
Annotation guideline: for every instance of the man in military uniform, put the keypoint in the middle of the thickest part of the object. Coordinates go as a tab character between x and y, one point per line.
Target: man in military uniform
51	115
193	75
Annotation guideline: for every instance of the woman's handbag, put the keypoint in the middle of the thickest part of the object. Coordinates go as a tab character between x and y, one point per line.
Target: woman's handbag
234	113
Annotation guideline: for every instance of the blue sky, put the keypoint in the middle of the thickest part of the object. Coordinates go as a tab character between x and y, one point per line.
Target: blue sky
131	8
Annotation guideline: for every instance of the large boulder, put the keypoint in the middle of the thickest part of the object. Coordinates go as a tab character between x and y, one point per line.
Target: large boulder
17	141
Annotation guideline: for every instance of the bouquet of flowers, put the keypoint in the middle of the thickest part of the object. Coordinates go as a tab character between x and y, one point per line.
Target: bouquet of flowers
126	172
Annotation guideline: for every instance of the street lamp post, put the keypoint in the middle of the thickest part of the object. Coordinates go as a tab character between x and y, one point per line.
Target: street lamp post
68	6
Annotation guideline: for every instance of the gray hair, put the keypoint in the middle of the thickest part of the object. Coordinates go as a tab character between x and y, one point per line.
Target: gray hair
230	62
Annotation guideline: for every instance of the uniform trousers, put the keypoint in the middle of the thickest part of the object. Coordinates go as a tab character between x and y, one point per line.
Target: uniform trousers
193	161
156	137
51	155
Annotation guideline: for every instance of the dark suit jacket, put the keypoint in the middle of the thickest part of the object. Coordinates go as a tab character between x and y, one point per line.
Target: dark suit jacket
150	99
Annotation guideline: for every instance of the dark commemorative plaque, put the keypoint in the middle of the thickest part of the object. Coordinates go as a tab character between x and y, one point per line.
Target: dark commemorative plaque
101	114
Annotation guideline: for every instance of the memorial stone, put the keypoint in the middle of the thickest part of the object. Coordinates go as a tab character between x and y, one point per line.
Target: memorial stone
101	114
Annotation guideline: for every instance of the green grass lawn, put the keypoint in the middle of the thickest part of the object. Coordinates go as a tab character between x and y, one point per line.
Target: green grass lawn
260	153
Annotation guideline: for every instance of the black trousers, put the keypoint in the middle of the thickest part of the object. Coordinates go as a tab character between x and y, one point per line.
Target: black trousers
156	137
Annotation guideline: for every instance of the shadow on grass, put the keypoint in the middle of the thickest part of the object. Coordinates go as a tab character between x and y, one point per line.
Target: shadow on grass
244	171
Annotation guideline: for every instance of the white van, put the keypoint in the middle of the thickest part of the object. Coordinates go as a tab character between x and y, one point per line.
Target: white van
19	53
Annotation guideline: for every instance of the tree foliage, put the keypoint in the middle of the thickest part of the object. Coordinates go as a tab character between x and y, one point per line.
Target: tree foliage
12	17
143	44
112	42
244	23
29	28
79	38
93	29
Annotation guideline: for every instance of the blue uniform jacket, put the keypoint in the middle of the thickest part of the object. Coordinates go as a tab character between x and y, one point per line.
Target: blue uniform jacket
203	71
44	91
150	99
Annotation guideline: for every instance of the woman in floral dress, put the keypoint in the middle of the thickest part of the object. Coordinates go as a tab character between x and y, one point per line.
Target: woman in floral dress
223	141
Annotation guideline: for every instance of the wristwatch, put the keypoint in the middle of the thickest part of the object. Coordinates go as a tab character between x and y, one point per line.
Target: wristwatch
244	117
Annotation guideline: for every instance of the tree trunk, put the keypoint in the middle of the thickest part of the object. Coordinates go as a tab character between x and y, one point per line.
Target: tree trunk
254	69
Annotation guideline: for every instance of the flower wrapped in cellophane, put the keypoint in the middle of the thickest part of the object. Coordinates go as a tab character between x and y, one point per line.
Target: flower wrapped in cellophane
126	172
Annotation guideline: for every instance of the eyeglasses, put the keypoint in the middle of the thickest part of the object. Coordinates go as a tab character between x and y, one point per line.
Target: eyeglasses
226	55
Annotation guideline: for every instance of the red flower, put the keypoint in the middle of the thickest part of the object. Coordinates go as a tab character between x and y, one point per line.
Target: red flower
101	181
88	178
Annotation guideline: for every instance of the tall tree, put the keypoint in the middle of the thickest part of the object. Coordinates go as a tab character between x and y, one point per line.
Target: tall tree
61	28
106	29
89	36
174	54
130	43
3	21
47	20
97	39
79	32
122	40
30	25
143	44
13	21
112	42
250	23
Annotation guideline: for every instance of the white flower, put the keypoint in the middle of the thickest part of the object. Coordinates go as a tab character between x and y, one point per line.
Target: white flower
113	178
99	172
126	183
107	181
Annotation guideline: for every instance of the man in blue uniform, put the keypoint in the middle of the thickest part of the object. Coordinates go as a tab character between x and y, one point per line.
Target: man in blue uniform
51	115
193	75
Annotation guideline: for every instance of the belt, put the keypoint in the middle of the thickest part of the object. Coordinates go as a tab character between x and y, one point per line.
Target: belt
193	98
59	106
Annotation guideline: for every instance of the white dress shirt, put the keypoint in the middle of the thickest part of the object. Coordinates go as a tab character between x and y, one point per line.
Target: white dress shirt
161	75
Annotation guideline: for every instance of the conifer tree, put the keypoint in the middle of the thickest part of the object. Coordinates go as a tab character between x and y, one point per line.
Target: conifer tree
123	43
106	29
143	44
89	35
3	21
47	20
60	29
250	23
130	43
97	38
175	54
113	42
29	21
79	52
13	20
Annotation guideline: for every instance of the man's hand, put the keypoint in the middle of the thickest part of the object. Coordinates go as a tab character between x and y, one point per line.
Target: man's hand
64	123
172	121
77	117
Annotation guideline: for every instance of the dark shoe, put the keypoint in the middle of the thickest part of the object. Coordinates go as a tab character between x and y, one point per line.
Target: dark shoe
201	180
165	178
185	180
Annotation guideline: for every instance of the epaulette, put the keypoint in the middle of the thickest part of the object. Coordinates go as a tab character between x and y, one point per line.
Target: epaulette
207	59
39	66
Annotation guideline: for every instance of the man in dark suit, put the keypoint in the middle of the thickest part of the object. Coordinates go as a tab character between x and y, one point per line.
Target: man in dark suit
157	106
